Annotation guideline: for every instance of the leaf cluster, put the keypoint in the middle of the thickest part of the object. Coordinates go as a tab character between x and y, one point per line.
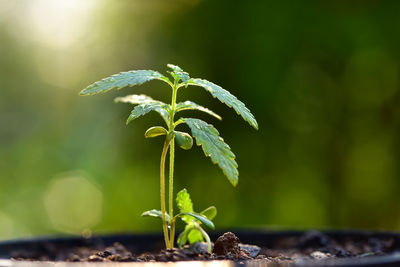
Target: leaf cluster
193	230
205	134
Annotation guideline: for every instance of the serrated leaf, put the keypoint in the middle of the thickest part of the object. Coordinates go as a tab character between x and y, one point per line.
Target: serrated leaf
214	147
145	108
189	105
155	131
227	98
156	213
184	76
184	140
210	212
199	217
184	204
123	79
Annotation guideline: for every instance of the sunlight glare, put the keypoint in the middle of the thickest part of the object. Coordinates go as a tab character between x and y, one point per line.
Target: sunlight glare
61	23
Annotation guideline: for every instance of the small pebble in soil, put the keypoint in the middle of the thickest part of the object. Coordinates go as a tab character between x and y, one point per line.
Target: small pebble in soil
251	249
318	255
200	247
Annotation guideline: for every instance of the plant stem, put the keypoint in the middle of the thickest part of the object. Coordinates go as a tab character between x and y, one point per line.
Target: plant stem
171	165
171	189
162	191
205	235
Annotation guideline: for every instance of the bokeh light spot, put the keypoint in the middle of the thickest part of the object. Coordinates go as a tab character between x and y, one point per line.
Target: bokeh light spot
73	203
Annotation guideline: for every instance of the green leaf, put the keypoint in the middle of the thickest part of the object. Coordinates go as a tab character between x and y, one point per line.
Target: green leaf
184	140
156	213
145	108
184	76
184	204
174	68
227	98
189	105
146	104
210	212
194	236
199	217
190	235
155	131
123	79
215	147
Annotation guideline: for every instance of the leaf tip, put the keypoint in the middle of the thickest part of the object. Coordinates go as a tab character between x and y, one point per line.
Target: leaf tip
255	124
83	92
234	182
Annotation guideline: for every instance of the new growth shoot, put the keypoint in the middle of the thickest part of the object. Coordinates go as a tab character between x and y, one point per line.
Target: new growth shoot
205	134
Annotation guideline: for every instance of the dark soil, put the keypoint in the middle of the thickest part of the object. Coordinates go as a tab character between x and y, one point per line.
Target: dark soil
311	245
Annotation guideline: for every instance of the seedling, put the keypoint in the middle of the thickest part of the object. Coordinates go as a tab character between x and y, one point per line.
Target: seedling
193	231
205	134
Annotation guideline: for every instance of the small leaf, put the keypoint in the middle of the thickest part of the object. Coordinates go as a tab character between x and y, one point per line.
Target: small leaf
184	204
123	79
215	147
184	76
210	212
174	68
199	217
177	71
155	131
225	97
145	108
190	235
184	140
194	236
189	105
156	213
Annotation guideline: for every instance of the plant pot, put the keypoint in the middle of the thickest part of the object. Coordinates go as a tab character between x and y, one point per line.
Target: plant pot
387	246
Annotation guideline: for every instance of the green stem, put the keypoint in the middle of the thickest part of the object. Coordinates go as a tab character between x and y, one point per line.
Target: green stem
162	191
172	234
205	235
171	188
171	164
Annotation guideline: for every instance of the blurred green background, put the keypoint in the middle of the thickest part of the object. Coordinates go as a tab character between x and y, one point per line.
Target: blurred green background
321	77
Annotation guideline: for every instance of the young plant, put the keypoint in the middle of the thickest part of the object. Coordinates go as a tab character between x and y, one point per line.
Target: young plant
205	134
193	231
